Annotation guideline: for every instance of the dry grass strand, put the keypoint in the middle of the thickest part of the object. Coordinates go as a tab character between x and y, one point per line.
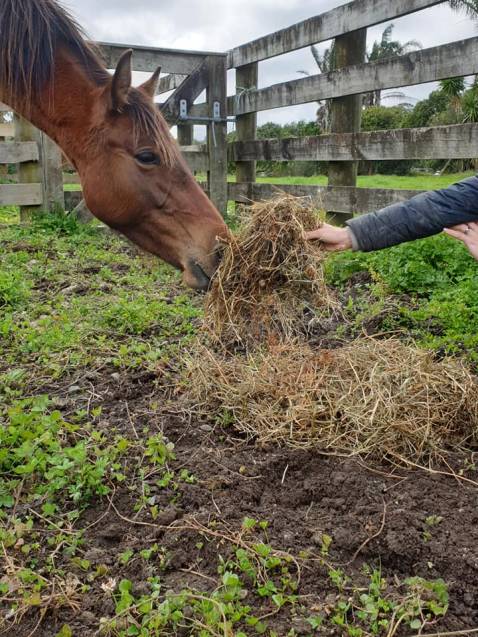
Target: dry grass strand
270	276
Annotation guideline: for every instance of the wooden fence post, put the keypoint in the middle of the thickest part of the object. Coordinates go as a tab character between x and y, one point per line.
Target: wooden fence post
47	171
217	133
246	125
346	112
52	173
29	172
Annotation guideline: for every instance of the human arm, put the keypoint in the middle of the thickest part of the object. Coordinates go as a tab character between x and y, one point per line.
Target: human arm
422	216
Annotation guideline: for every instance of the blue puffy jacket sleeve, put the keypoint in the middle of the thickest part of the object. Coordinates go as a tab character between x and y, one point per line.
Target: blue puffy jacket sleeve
422	216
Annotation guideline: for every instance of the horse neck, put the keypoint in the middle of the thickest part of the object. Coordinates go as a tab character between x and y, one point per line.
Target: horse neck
65	109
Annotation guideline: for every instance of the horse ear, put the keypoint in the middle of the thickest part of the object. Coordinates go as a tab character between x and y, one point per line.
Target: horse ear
150	87
121	82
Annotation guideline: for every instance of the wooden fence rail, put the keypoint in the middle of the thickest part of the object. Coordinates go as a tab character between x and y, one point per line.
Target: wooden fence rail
459	141
419	67
344	19
343	200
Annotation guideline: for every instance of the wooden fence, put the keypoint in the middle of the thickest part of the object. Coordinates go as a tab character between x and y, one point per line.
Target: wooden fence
192	73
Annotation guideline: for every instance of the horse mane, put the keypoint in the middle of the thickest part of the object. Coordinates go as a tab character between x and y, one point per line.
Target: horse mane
31	33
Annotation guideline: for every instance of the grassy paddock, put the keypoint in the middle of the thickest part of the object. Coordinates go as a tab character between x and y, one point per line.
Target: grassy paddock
92	338
409	182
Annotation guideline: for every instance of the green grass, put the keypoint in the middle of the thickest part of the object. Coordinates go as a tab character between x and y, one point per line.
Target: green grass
409	182
74	297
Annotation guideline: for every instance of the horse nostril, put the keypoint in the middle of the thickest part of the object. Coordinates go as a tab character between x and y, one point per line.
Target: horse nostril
218	253
202	279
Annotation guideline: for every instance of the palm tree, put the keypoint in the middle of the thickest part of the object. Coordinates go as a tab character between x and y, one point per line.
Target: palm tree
325	62
469	6
386	48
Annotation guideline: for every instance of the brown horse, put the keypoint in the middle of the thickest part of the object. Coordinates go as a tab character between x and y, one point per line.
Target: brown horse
134	178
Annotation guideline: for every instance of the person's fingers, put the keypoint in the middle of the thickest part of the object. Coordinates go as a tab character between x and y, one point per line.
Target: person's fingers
324	232
473	227
462	227
465	228
312	235
470	240
467	234
456	234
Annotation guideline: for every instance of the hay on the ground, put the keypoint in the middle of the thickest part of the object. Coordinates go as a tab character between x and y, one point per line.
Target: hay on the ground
371	397
270	276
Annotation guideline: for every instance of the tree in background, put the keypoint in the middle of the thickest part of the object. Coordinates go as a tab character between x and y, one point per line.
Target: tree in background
271	130
469	6
425	110
384	48
384	118
325	63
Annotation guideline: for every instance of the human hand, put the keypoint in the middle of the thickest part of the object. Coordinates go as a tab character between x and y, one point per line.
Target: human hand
333	238
467	233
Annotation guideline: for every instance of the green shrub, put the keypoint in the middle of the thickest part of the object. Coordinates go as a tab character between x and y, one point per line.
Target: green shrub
439	276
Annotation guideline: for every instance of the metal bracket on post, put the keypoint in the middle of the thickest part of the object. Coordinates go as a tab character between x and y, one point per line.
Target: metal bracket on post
183	109
216	114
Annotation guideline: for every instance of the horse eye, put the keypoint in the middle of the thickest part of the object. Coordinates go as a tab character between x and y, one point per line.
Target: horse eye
148	158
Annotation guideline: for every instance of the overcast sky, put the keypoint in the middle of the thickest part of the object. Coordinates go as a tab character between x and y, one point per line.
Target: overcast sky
218	26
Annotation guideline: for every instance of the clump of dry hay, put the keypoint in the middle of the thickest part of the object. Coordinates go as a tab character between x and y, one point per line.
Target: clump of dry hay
369	398
269	276
373	398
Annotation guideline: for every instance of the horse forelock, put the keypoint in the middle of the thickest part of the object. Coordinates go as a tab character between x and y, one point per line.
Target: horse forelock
149	123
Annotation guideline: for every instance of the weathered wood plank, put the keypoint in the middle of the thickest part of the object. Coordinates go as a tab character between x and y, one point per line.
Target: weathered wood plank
148	59
217	134
21	194
7	130
459	141
338	199
327	26
197	161
29	172
419	67
246	125
51	163
170	83
186	139
189	90
196	110
346	112
18	152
